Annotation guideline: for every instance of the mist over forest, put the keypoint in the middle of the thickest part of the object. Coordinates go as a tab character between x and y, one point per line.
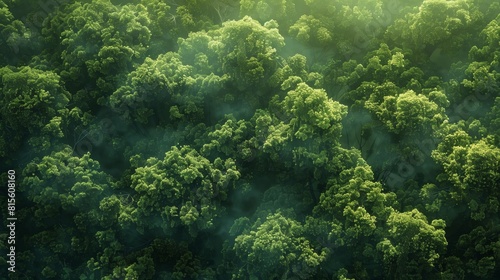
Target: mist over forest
251	139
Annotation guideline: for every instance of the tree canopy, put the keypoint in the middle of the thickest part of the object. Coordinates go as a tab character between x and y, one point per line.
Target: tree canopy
251	139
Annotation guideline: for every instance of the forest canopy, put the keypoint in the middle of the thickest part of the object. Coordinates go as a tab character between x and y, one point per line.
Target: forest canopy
290	139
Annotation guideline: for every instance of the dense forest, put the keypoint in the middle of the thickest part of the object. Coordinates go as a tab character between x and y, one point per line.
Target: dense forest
251	139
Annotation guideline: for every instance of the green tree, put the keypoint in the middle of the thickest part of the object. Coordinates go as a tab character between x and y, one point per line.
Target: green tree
436	22
32	103
182	190
18	41
409	113
311	30
479	251
243	49
472	170
411	246
231	138
275	248
350	213
65	194
302	130
482	74
100	41
494	121
249	51
282	11
61	181
154	89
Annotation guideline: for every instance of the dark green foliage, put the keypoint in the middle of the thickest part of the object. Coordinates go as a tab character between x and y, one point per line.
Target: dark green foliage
251	139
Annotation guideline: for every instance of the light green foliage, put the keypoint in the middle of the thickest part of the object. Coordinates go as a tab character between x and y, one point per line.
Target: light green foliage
61	181
435	22
383	73
201	50
451	154
231	138
6	14
385	64
346	25
30	97
248	51
304	129
244	49
482	171
493	119
153	88
434	198
142	268
483	78
350	214
472	170
412	246
235	56
409	113
280	10
101	40
295	71
183	189
276	248
270	131
468	165
483	72
31	104
66	193
309	29
357	203
195	15
312	112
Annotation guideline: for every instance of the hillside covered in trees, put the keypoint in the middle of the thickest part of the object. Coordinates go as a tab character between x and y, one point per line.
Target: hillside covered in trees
252	139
